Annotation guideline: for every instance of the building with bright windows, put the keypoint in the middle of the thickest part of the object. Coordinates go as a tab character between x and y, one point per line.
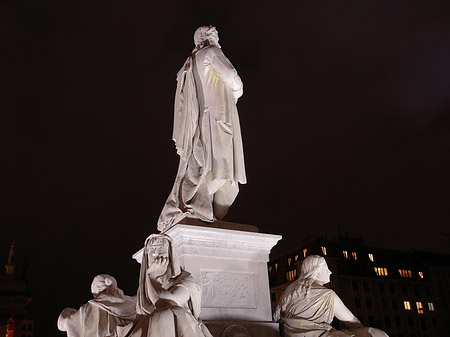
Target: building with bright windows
404	293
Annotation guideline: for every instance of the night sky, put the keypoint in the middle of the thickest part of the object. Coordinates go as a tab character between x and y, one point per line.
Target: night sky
345	120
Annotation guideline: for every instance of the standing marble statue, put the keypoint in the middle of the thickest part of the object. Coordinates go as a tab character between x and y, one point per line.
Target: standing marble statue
207	135
307	308
168	299
109	314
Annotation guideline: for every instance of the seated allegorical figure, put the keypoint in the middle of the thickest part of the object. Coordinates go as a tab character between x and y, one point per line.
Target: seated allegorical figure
168	299
307	308
109	314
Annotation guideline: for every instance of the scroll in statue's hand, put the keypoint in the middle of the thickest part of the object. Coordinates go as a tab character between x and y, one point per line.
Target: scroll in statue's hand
158	266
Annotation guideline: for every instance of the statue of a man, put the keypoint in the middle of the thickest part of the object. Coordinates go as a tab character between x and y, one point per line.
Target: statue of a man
207	135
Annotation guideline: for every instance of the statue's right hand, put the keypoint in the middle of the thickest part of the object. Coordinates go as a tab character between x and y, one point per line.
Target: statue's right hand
158	266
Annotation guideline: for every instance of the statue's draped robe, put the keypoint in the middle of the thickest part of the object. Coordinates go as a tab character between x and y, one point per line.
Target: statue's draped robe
208	139
168	319
103	316
309	314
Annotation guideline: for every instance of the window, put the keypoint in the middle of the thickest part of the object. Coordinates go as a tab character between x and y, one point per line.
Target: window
324	250
355	256
410	322
357	303
394	304
291	275
368	303
345	254
407	305
270	269
431	306
276	266
381	271
366	286
419	306
405	273
381	286
420	274
388	321
416	291
398	321
384	304
305	251
392	289
355	285
371	258
423	324
289	261
296	258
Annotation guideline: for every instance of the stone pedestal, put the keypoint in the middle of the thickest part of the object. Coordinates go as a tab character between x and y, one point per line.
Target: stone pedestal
229	261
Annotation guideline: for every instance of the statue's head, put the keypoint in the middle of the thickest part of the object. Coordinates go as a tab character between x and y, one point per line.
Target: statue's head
314	267
206	33
161	246
157	247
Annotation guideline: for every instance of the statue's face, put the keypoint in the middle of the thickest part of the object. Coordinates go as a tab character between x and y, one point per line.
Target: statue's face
323	277
213	35
158	251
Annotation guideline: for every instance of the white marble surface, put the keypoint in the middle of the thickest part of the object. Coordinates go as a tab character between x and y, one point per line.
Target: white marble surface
231	266
207	135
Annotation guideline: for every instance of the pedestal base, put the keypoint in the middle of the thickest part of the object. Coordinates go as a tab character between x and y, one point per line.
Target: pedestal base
256	329
229	261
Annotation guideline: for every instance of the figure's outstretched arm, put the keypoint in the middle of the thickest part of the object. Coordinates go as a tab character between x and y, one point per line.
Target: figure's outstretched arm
342	313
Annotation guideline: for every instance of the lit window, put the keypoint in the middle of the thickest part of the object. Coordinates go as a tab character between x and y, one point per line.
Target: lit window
421	274
419	306
345	254
355	256
291	275
430	306
371	258
289	261
407	305
276	266
296	258
405	273
270	268
324	250
305	251
381	271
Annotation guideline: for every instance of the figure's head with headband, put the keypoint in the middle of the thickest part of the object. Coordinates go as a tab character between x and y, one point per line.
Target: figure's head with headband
206	35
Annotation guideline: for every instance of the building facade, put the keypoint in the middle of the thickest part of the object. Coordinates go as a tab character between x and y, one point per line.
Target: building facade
402	293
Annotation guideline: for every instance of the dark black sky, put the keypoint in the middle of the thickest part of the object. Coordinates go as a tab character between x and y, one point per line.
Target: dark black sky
345	119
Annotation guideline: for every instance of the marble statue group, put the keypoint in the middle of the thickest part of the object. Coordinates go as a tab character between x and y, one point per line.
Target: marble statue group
168	301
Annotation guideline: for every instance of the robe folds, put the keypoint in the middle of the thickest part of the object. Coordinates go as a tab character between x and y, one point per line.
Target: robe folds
103	316
310	313
207	138
167	318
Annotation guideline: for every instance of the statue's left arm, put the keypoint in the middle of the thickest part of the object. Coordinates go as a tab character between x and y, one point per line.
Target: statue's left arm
342	313
176	295
223	67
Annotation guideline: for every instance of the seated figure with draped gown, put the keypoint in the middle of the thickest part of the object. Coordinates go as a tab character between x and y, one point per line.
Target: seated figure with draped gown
307	308
109	314
168	299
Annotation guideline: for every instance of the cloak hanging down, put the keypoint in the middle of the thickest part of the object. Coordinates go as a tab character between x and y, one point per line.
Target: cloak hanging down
208	139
